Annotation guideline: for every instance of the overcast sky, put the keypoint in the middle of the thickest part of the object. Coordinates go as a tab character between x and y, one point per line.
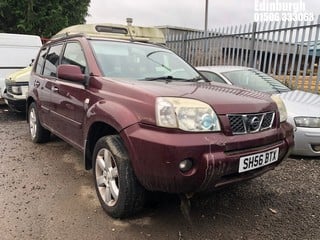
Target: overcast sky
182	13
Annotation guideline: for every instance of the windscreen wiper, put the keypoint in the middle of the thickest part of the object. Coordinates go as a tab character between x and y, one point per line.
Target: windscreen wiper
168	78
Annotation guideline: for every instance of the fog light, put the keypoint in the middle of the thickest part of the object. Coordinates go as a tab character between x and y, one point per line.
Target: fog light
316	148
185	165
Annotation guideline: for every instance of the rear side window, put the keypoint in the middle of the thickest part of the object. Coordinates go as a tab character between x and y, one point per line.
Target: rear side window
74	55
40	62
52	61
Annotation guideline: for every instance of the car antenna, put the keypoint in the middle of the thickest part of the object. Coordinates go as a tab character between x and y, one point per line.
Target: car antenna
129	23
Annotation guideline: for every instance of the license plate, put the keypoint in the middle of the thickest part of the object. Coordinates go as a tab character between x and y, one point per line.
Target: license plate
258	160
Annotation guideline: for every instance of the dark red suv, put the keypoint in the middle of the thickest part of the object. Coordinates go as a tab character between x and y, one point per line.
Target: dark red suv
146	120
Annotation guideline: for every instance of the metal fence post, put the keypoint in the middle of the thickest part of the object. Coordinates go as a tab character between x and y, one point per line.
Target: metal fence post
184	45
253	40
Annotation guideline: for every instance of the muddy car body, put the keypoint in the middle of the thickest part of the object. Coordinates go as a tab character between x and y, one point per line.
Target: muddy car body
146	120
303	107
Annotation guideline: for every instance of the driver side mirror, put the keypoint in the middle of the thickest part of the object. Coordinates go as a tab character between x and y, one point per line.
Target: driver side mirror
70	72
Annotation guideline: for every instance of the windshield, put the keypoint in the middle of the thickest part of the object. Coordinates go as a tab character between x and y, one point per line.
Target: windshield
256	80
140	62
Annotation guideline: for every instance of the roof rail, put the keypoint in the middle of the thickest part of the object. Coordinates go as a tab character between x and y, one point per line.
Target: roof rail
115	31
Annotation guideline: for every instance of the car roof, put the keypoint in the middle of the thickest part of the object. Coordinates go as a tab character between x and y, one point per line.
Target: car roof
221	69
114	31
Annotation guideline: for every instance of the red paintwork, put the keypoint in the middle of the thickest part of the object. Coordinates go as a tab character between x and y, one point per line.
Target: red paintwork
216	156
155	153
70	72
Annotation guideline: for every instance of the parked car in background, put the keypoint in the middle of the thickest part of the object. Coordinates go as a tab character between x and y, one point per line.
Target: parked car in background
16	52
146	120
303	107
16	89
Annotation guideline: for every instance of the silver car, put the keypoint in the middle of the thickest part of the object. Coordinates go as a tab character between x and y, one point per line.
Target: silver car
303	108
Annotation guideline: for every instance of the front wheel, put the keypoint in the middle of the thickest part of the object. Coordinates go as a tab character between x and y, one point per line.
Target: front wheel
118	189
38	133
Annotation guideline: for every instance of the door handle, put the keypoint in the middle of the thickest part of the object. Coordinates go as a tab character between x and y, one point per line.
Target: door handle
36	83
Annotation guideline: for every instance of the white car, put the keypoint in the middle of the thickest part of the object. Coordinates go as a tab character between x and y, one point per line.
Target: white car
303	108
16	89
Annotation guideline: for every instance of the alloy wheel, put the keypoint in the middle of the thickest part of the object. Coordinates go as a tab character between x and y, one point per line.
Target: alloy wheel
107	177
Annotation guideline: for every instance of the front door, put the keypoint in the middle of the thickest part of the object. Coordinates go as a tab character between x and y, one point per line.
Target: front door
69	98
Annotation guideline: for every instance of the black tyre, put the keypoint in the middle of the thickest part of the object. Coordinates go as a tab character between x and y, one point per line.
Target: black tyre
37	132
118	189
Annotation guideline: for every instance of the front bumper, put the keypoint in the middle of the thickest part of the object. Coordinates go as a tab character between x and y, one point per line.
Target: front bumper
15	103
307	140
156	154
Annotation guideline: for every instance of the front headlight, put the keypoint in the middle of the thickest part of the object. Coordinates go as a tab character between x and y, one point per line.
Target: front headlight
16	90
281	107
186	114
309	122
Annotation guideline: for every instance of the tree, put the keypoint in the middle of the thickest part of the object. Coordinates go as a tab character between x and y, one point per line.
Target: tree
43	18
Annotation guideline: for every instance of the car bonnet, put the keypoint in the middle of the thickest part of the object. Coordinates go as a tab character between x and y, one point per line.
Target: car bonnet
300	103
224	99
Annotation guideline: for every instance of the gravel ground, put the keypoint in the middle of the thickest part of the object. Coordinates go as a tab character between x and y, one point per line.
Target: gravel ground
45	193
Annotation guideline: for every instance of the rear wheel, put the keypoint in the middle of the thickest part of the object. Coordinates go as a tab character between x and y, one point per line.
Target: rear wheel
118	189
38	133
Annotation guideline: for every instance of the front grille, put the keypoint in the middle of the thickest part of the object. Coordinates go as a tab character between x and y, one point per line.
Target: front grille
250	123
267	120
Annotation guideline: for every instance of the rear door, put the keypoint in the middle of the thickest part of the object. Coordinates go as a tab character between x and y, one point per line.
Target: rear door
43	80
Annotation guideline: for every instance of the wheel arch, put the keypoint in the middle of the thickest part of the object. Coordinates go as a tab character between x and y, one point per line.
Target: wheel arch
28	103
96	131
104	118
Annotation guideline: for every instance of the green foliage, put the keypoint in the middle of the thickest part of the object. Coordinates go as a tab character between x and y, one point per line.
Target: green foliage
44	18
